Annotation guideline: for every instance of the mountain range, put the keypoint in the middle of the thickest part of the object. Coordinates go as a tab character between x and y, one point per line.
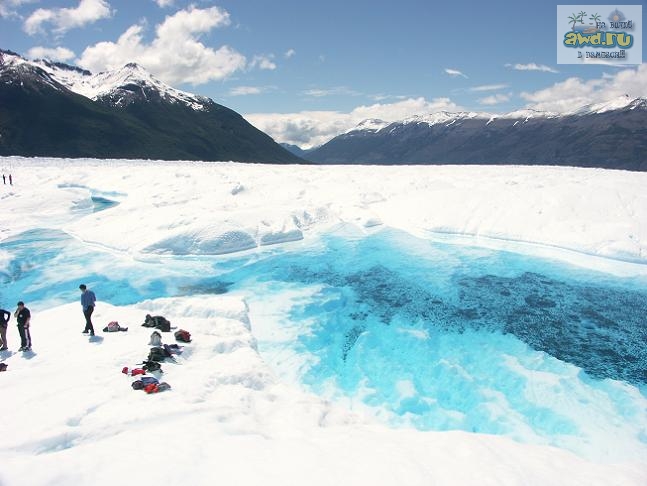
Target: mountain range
53	109
57	110
608	135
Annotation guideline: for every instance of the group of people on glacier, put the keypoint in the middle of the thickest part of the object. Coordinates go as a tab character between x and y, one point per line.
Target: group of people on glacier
23	318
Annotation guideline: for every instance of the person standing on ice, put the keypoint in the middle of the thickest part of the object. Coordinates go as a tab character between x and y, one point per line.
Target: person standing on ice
23	317
4	179
87	302
4	322
10	180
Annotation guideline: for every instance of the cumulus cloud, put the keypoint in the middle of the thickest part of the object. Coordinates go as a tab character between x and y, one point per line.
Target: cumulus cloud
289	53
176	54
64	19
53	54
164	3
312	128
532	67
454	73
572	93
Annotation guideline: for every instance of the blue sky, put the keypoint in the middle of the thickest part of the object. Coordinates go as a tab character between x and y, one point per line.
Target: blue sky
304	71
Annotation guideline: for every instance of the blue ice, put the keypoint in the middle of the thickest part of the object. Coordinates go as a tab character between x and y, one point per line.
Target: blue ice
426	334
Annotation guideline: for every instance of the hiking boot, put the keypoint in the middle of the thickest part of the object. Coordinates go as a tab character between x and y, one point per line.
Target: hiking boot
85	331
91	333
22	349
4	348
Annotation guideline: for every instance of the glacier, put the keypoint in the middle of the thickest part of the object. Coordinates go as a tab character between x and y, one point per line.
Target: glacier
253	398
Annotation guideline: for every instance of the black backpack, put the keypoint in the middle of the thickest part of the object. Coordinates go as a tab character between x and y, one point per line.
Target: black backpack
162	324
157	354
152	366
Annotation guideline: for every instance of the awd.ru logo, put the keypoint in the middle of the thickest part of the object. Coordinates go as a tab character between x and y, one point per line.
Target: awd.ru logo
599	33
594	34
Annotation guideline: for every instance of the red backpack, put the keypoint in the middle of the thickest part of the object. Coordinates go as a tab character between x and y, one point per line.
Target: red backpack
183	336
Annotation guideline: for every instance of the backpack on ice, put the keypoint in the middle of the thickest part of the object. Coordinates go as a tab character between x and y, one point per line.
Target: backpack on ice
114	326
158	322
156	339
152	366
183	336
157	354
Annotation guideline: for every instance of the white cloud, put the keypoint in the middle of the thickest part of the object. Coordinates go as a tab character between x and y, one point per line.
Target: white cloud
175	55
245	90
312	128
8	8
454	73
494	99
575	92
263	62
532	67
53	54
164	3
489	87
336	91
64	19
289	53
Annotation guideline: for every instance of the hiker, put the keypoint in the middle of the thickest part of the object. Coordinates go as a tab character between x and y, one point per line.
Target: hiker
23	317
4	179
4	322
10	180
87	302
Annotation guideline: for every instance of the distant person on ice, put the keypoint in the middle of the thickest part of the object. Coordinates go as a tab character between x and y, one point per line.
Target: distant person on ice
10	180
4	322
87	302
4	179
23	316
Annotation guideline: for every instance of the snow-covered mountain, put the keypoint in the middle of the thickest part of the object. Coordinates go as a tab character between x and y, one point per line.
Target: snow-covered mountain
612	134
53	109
121	86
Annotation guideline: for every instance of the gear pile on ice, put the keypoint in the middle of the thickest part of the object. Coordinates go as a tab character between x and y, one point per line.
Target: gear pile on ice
159	353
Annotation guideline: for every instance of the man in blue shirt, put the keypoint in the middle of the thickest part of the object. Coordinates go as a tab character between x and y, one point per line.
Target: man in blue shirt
87	302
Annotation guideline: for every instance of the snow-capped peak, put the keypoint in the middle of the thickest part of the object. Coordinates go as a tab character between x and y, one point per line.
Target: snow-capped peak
614	104
444	117
371	125
117	85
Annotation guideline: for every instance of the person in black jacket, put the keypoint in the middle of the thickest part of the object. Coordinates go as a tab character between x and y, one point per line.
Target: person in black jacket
4	322
23	317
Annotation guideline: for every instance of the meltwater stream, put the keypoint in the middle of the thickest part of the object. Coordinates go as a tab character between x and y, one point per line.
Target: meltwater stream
432	335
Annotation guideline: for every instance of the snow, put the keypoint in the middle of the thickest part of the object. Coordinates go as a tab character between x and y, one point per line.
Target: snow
370	125
614	104
71	417
94	86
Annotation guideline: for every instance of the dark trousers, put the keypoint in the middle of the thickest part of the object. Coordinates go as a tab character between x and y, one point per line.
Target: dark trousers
3	335
25	336
88	319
